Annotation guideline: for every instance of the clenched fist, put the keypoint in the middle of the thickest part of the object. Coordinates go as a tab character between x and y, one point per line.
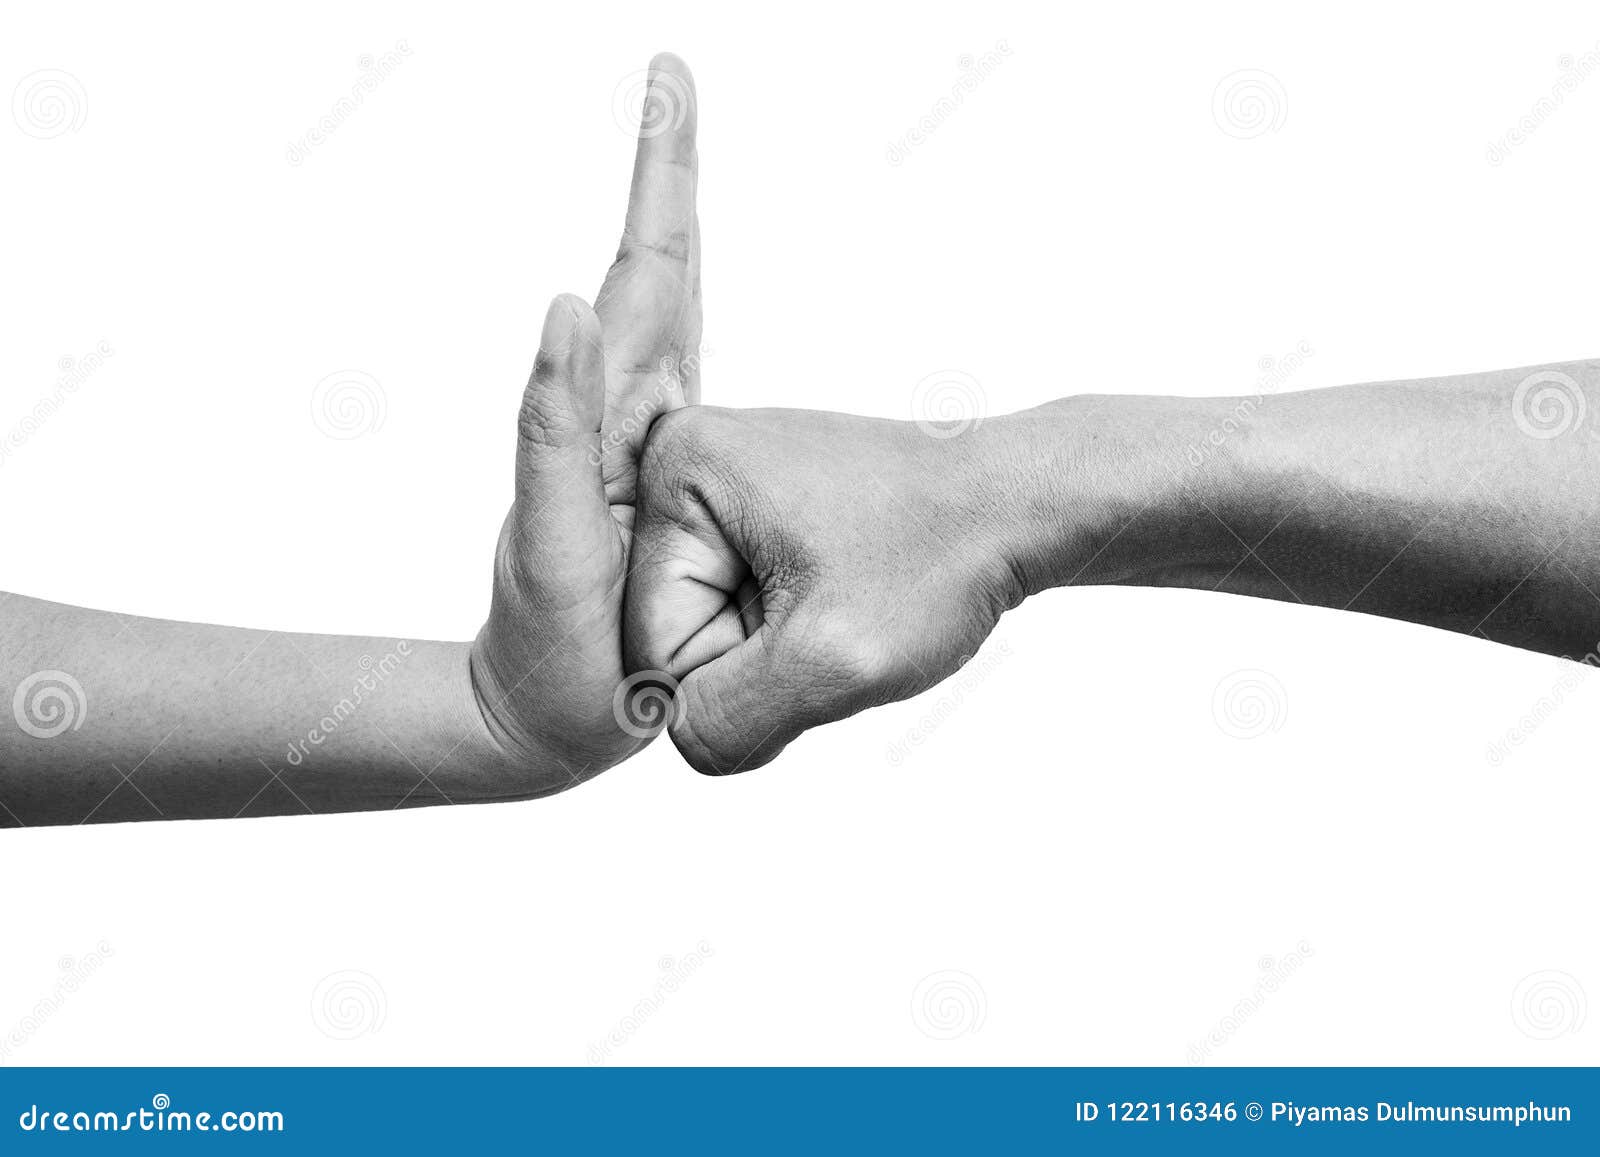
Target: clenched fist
793	567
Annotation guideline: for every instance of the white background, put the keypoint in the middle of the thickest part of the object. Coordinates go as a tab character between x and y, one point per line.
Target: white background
1079	836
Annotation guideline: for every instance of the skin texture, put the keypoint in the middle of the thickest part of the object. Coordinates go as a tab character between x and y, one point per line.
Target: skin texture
798	566
753	574
555	621
795	567
126	718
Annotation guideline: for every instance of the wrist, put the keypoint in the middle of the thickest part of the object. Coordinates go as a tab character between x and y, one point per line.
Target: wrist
1108	489
489	763
524	755
506	751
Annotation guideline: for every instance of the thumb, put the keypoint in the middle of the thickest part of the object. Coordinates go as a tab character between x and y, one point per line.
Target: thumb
558	428
739	711
795	672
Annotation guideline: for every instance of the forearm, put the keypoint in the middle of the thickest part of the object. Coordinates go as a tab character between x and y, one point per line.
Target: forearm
1427	500
116	717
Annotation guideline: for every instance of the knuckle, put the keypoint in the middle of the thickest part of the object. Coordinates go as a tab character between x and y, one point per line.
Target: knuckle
656	466
674	246
673	431
675	451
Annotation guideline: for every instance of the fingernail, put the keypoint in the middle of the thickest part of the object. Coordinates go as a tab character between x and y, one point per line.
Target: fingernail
561	326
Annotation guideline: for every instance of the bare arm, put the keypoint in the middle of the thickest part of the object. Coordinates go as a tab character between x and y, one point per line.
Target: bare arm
123	718
114	717
797	567
1469	503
